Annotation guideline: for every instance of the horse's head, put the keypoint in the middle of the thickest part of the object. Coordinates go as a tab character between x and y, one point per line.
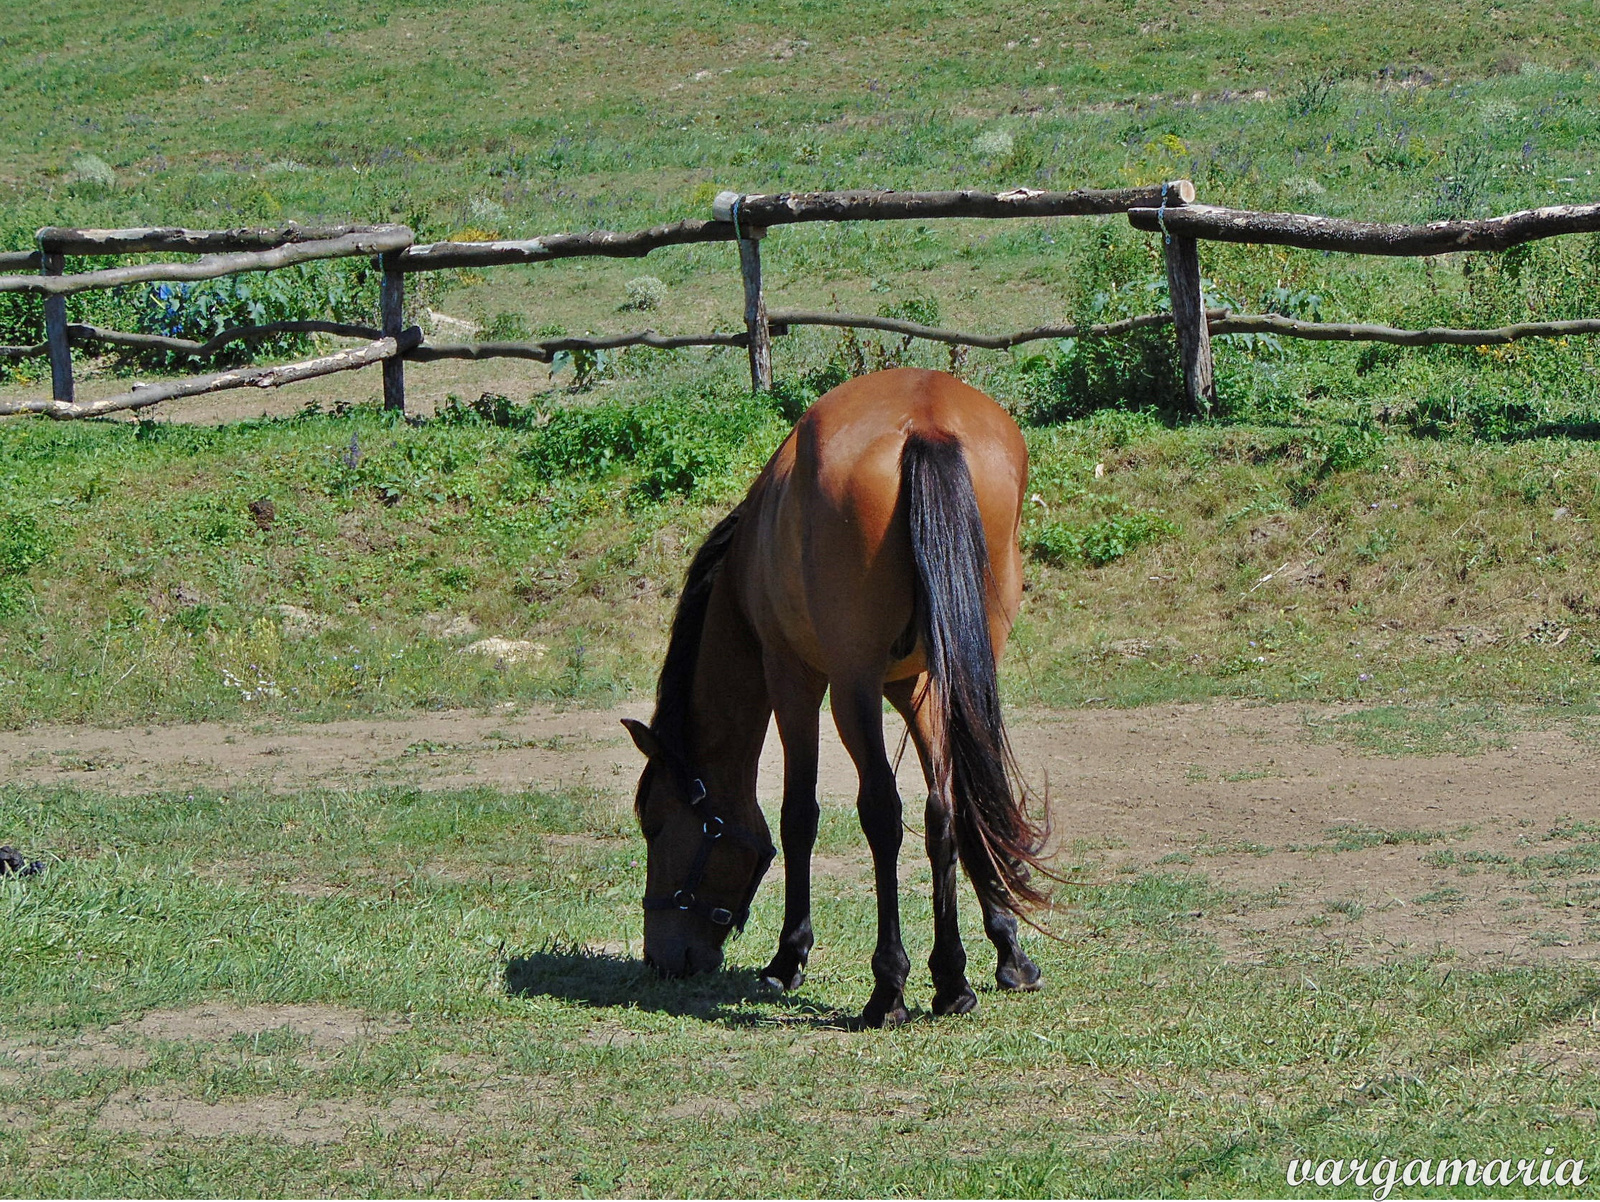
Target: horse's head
707	855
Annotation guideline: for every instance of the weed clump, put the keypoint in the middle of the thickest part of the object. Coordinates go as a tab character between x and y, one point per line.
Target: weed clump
1133	372
1097	543
685	443
23	543
645	292
1474	417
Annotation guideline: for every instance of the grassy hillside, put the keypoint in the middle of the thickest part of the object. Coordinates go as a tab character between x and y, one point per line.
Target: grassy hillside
331	564
1359	521
520	119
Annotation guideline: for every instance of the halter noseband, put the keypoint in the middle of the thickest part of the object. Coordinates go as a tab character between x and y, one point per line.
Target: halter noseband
713	830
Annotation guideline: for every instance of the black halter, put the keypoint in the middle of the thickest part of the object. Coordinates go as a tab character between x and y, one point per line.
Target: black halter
714	830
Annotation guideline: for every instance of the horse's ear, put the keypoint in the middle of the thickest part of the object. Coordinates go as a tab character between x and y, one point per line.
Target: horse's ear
645	739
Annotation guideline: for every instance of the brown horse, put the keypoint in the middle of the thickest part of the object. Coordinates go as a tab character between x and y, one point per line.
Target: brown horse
876	556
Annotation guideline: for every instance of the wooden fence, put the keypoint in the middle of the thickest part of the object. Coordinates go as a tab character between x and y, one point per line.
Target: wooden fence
1167	209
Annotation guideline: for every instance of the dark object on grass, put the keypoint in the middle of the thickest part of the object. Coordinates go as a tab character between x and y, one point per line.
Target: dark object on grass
12	863
264	512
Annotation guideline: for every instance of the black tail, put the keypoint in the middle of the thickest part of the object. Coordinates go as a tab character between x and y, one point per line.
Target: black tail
998	842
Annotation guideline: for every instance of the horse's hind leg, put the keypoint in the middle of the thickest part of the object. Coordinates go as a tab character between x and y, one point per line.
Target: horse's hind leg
948	962
952	994
796	694
858	713
1015	970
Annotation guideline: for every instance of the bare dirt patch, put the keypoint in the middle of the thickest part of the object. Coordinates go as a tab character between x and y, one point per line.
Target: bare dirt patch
90	1050
427	385
703	1108
321	1027
1316	841
161	1112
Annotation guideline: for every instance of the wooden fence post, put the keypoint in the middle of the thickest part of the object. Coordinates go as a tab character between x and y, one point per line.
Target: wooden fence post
755	310
392	320
725	207
1189	322
53	262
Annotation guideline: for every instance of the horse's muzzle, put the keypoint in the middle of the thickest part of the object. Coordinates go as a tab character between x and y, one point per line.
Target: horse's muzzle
682	957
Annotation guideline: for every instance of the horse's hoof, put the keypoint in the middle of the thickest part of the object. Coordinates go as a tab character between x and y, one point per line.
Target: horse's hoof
775	976
1021	975
963	1002
884	1016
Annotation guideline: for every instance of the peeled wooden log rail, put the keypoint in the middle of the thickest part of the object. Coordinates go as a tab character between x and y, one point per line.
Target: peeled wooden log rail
69	241
758	210
1271	323
143	396
1218	322
1366	238
372	241
545	352
82	334
783	318
441	256
86	335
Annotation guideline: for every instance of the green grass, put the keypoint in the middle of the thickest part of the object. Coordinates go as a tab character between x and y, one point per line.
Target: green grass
1147	1066
1433	583
522	119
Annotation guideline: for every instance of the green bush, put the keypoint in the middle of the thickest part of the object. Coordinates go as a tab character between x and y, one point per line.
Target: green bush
1474	416
1097	543
684	443
23	543
1130	372
336	290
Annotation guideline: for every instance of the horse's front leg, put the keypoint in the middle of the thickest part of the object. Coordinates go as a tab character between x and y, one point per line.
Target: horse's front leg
796	693
858	712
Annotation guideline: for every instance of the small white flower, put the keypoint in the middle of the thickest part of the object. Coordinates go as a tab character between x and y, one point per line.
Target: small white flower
994	144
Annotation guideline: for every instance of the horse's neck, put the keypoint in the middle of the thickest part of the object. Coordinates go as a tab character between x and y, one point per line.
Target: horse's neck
729	710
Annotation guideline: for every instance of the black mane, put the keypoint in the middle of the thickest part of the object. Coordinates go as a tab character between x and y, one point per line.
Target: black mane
676	685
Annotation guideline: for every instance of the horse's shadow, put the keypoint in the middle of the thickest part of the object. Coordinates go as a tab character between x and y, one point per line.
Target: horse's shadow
603	980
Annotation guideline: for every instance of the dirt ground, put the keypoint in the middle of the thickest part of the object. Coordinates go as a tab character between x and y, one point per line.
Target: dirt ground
1312	840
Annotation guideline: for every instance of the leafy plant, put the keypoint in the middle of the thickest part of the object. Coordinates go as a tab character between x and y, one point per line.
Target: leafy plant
1133	371
683	444
1100	542
23	543
588	365
1475	416
338	290
1313	94
507	327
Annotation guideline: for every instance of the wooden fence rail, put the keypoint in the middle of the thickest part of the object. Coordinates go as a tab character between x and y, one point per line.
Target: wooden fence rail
1366	238
1167	209
142	397
784	208
210	267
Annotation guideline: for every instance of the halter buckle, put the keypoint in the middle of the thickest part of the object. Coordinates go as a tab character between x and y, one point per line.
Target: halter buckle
712	828
720	916
683	899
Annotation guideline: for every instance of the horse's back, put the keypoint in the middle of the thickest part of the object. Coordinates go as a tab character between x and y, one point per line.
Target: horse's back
830	556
